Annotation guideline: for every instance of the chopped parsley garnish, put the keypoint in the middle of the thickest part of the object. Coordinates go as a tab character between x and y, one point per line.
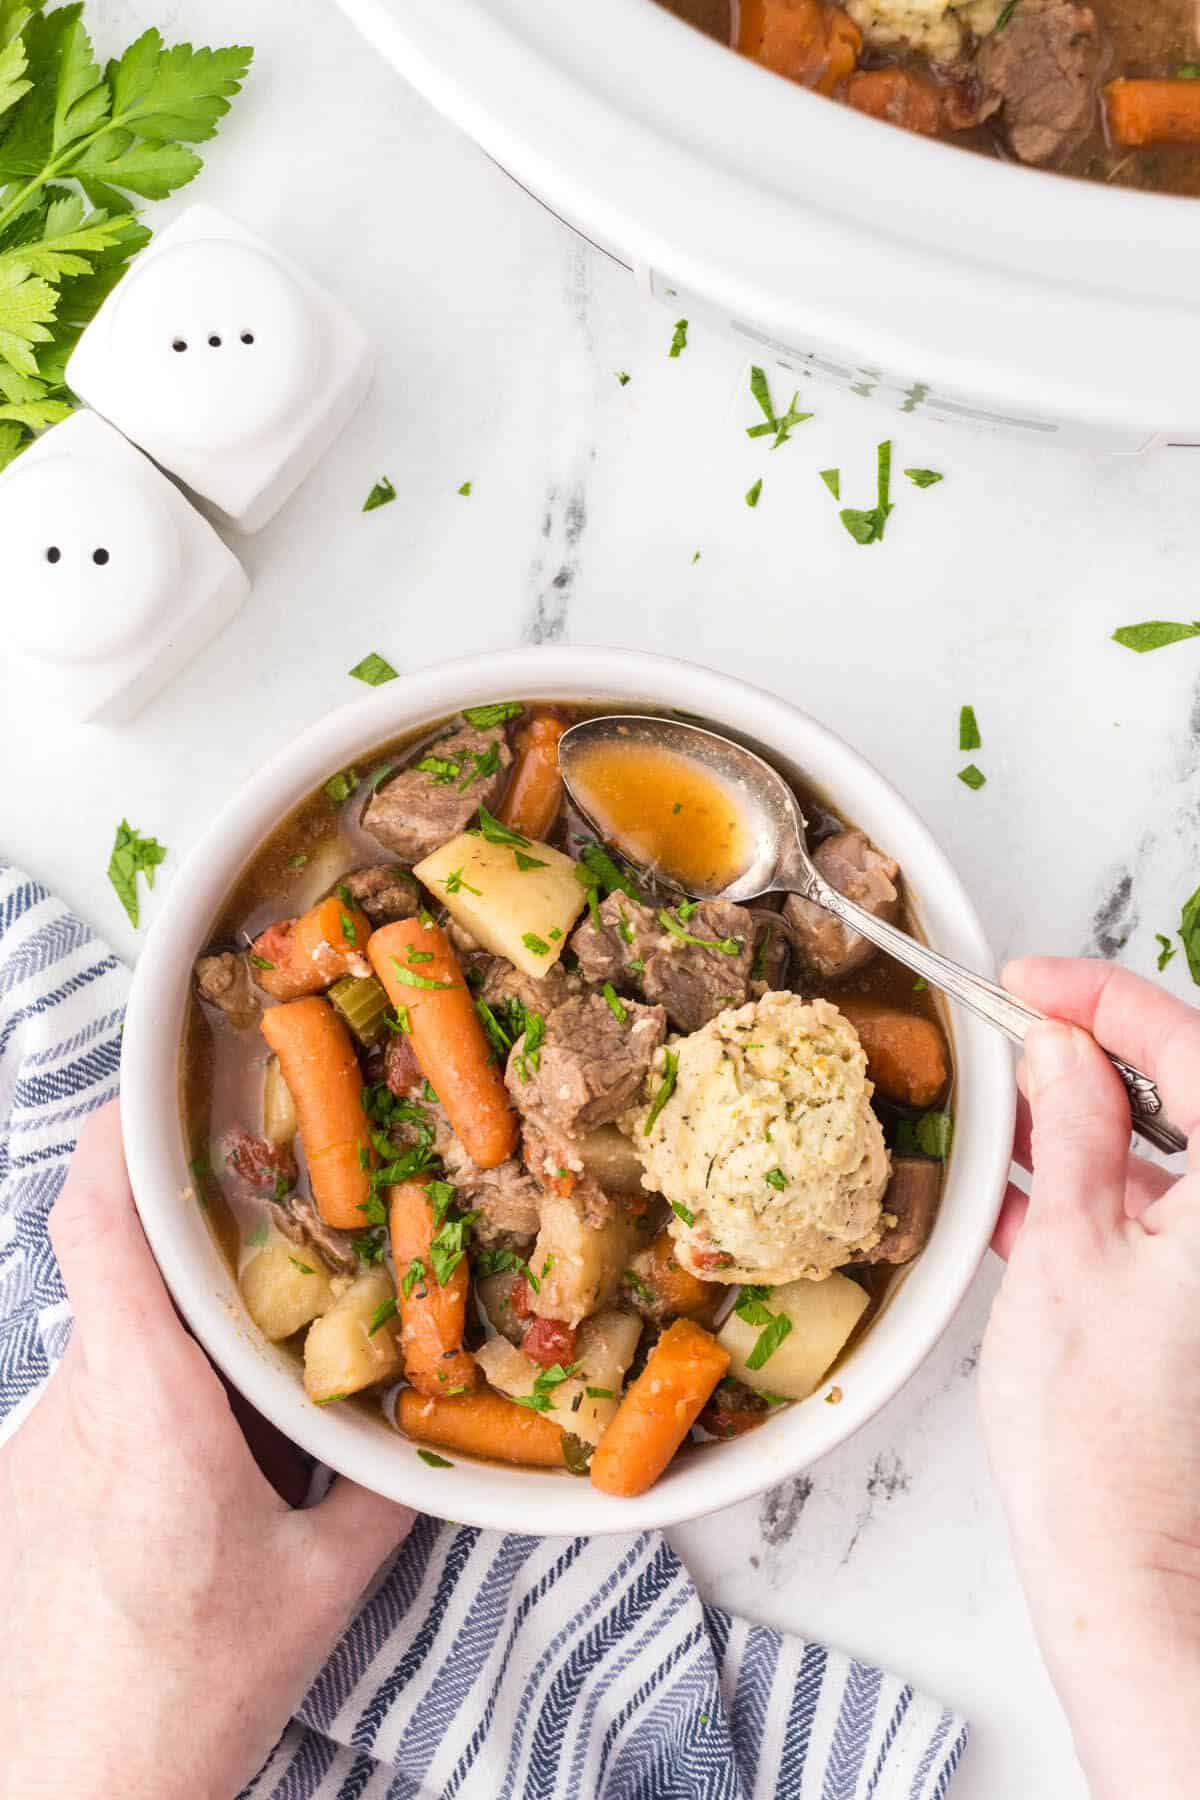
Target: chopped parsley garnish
525	863
968	729
498	1259
972	777
304	1268
1006	13
493	832
642	1289
1189	932
428	1094
465	489
349	929
535	944
485	718
751	1309
1166	950
339	787
867	527
776	1178
487	762
298	861
260	962
665	1089
833	481
383	1312
679	338
758	968
637	966
449	1245
624	927
541	1399
398	1021
498	1037
729	946
419	955
132	855
683	1212
433	1459
445	770
379	776
530	1055
615	1004
380	494
599	1393
611	877
920	985
1155	634
932	1134
411	978
924	478
455	884
623	377
415	1272
753	492
695	556
374	670
780	428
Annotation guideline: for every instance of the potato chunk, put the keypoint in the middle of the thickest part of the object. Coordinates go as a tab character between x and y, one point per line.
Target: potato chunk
341	1353
579	1265
587	1400
823	1314
513	911
285	1288
279	1109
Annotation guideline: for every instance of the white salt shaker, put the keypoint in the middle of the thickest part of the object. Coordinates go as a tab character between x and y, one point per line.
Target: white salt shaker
226	363
110	581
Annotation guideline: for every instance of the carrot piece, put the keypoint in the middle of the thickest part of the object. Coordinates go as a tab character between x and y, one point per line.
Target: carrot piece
322	1074
906	1053
309	953
417	965
659	1409
1153	112
432	1314
482	1424
809	41
900	96
534	793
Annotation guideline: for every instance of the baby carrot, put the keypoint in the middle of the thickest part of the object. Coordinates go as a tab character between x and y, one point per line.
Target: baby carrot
417	965
318	1064
481	1424
432	1313
301	956
534	793
1145	111
659	1409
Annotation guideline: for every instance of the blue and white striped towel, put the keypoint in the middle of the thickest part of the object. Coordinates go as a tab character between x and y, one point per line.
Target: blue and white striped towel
485	1667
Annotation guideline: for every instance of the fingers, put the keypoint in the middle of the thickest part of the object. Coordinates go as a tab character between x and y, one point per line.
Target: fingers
1080	1129
1144	1181
353	1531
120	1304
1132	1017
1012	1217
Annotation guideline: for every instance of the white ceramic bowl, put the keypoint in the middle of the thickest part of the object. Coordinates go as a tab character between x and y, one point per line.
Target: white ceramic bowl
366	1449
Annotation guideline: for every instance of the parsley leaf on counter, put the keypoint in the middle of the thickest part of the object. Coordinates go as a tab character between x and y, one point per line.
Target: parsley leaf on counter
1189	932
380	494
753	493
924	477
374	670
465	489
867	527
624	377
780	428
833	481
1155	634
132	855
972	777
115	131
1166	950
968	729
679	339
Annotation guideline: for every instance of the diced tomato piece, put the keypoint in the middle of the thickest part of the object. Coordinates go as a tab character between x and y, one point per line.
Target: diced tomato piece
549	1341
518	1299
269	1168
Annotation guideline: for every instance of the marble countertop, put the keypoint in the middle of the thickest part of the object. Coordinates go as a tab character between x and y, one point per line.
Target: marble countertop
499	338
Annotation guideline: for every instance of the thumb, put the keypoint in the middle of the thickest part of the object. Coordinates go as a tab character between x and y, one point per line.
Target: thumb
1080	1137
351	1533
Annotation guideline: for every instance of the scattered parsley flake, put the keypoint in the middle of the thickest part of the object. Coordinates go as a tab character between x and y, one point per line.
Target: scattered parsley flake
380	494
972	777
833	481
616	1005
1155	634
968	729
679	338
374	670
924	478
132	855
383	1312
683	1212
1166	950
623	377
465	489
410	977
753	492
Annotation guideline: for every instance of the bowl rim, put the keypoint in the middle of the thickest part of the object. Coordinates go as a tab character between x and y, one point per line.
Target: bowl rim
347	1439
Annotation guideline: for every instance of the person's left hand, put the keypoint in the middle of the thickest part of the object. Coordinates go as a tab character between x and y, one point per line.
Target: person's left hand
164	1610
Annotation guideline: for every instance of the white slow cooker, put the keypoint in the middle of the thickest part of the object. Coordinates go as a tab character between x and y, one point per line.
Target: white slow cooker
923	277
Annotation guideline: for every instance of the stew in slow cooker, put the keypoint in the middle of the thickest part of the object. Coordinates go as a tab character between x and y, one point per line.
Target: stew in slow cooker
563	1168
1109	90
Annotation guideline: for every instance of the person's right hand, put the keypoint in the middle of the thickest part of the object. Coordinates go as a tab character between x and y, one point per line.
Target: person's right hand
1090	1376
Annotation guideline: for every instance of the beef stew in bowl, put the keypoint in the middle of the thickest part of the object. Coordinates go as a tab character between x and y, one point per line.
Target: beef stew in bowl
1108	90
490	1132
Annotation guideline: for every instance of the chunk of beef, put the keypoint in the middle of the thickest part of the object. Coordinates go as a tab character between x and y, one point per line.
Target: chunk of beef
1042	66
507	1198
556	1163
912	1200
400	1069
616	949
438	795
267	1168
850	863
590	1066
537	993
695	981
299	1221
384	891
733	1409
224	980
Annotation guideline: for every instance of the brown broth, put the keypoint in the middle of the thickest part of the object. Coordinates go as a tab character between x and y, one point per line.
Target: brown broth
669	813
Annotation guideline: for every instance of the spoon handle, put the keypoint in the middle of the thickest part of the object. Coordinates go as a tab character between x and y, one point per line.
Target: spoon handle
999	1008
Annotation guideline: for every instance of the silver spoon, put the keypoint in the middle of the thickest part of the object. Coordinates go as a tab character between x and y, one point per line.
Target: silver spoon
780	863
